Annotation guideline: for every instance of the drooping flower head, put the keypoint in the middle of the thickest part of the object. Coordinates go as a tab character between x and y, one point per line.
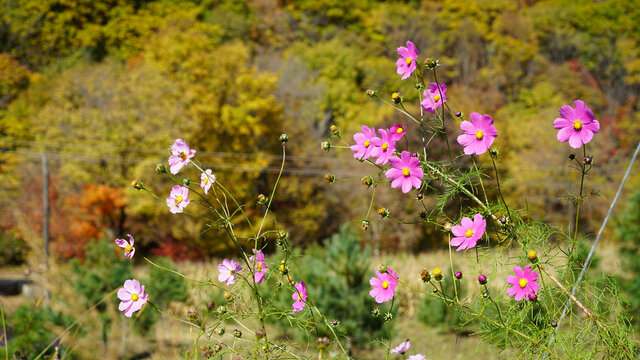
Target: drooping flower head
407	62
384	146
523	282
397	131
129	250
576	125
402	348
178	199
260	267
417	357
364	142
478	134
206	180
299	297
181	155
228	270
434	98
384	286
132	297
405	172
467	234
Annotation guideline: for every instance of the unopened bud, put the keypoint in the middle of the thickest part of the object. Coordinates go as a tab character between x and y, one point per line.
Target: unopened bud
161	169
458	275
397	99
419	196
227	296
192	315
482	279
186	181
494	152
137	184
447	226
364	224
588	160
211	305
330	178
382	268
554	324
431	63
532	297
459	114
383	212
221	331
532	256
424	275
325	145
237	333
367	180
423	214
371	93
388	317
375	312
335	322
334	129
218	347
437	274
284	138
262	199
259	333
572	156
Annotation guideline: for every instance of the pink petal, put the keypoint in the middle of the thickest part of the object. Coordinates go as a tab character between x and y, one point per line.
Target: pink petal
466	139
396	183
468	127
121	243
458	230
512	279
575	141
416	182
457	241
565	133
513	290
519	295
466	223
406	185
404	52
124	304
560	123
518	271
567	112
593	126
585	136
129	310
534	286
123	294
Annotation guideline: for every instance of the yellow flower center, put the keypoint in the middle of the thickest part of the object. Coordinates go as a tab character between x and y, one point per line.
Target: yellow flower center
395	96
479	135
300	297
436	98
128	248
231	272
367	143
409	60
183	156
259	266
406	172
385	146
385	285
577	124
400	130
178	199
522	283
469	233
134	297
205	180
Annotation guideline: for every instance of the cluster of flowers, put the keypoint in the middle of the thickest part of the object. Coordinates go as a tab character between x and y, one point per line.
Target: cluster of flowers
132	294
576	125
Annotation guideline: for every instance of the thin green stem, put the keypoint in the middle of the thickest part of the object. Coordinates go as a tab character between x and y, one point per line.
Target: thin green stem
453	276
493	161
4	334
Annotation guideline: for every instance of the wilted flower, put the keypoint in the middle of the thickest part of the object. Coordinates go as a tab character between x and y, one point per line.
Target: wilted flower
132	297
181	155
129	250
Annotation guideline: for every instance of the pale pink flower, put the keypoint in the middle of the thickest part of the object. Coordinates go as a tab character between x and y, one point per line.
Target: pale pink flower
129	250
402	348
523	283
260	267
178	199
405	172
206	180
576	125
384	286
432	98
407	62
300	297
181	155
364	143
384	146
478	134
132	297
228	270
417	357
467	234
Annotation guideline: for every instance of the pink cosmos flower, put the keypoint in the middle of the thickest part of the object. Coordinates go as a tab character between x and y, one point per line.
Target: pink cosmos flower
384	286
432	98
384	146
402	348
129	250
178	199
132	297
260	267
576	125
206	180
407	62
397	132
469	232
364	142
299	296
181	156
417	357
478	134
523	282
228	270
405	172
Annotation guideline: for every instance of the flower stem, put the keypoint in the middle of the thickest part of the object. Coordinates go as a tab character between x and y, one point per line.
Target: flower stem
493	161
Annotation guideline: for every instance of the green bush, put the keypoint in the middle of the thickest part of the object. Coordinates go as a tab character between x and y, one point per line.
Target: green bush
435	312
31	330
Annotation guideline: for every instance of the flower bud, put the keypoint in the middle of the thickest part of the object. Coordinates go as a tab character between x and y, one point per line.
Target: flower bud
494	152
375	312
211	305
322	342
532	256
218	347
335	322
192	315
371	93
532	297
397	99
161	169
503	220
588	160
364	224
437	274
419	196
222	309
262	199
482	279
334	129
325	145
485	295
259	333
237	333
459	114
572	156
418	86
186	181
388	317
424	275
284	138
383	212
382	268
283	269
431	63
423	214
367	180
447	226
137	184
227	296
221	331
554	323
330	178
458	275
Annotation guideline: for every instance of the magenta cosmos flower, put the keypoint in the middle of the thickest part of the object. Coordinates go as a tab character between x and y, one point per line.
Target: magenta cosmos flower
260	267
364	143
181	155
478	134
178	199
384	146
132	297
405	172
468	232
129	250
397	132
576	125
407	62
433	99
300	297
206	180
228	270
523	282
384	286
402	348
